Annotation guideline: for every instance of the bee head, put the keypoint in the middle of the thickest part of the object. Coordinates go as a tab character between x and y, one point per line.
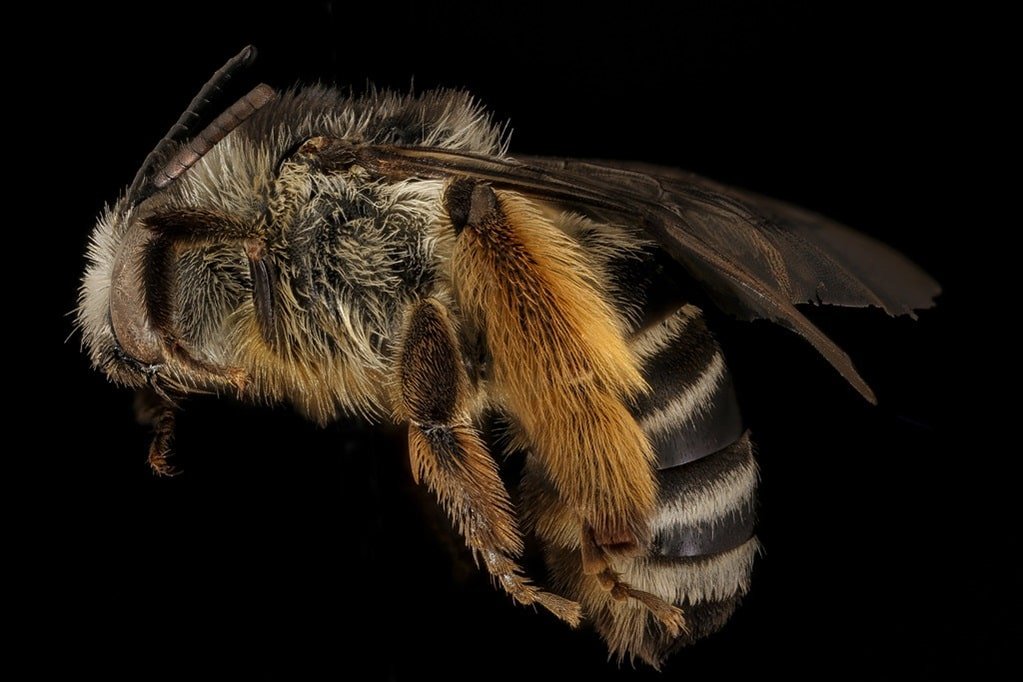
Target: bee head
159	287
134	313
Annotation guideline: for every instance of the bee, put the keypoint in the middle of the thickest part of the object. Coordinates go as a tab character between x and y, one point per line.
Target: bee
384	256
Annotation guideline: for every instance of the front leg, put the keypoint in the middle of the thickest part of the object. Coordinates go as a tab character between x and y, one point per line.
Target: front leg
446	452
157	412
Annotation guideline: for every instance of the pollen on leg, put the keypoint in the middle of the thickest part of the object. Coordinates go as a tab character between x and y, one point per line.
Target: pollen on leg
559	358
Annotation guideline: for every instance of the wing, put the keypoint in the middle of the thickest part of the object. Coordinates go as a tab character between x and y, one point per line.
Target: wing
825	262
756	257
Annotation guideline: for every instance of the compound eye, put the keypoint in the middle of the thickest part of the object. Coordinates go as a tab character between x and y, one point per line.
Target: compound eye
128	314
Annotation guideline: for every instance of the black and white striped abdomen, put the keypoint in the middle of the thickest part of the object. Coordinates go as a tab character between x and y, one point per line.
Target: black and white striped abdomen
706	472
701	553
703	545
691	410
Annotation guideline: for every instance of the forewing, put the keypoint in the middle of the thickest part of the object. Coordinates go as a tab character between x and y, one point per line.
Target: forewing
824	261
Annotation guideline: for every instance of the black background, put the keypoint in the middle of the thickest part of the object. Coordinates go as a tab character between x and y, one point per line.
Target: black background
284	548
